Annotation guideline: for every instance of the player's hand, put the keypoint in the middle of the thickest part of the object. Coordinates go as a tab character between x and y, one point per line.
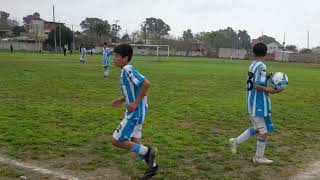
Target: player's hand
132	107
117	102
276	91
269	75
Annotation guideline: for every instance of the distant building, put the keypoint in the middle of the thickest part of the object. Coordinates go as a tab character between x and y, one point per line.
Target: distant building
5	30
41	28
316	50
274	46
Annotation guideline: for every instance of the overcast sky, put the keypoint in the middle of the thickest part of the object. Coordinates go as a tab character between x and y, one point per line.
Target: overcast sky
272	17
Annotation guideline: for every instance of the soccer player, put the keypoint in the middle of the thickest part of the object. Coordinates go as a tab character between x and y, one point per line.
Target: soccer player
258	106
83	52
106	59
134	87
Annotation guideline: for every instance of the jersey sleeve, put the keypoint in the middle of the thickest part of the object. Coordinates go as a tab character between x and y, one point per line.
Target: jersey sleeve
134	75
261	75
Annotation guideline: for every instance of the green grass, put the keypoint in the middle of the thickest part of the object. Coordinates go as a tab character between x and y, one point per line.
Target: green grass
56	111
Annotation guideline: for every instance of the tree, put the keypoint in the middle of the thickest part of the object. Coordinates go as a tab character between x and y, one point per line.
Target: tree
245	39
232	39
4	17
27	19
17	30
291	48
115	28
102	28
156	27
136	36
97	26
144	31
215	39
66	36
125	39
187	37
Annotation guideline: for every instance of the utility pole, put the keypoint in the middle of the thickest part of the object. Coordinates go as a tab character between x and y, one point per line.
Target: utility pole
60	35
116	32
55	33
284	42
73	43
308	39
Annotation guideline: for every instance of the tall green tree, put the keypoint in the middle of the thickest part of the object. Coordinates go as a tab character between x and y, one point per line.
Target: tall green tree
27	19
188	40
245	39
66	36
156	27
115	28
4	17
232	39
215	39
95	25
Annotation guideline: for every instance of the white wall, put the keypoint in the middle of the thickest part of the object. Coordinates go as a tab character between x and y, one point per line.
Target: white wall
272	47
278	55
232	53
20	46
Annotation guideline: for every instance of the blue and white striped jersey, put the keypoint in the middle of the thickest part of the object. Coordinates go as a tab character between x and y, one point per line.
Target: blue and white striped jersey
106	56
258	102
83	51
131	82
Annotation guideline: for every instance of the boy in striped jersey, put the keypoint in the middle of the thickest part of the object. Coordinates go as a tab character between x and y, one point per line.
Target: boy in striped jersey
134	87
258	106
106	52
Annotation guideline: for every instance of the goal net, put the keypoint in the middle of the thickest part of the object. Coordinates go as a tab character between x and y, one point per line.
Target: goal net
151	50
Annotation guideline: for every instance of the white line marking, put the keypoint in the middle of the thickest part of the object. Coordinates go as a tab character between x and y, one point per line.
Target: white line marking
36	169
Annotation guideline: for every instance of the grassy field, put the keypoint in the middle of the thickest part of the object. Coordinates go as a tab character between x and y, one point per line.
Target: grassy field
56	113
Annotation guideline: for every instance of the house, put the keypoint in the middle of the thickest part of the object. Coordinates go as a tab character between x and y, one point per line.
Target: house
40	29
274	46
5	30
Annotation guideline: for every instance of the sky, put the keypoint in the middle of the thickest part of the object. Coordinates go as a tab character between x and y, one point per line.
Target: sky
269	17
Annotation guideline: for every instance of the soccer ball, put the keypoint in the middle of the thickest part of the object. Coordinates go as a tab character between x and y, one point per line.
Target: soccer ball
279	80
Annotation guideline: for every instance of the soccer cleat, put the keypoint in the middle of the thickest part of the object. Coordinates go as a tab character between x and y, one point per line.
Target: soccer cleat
262	160
233	145
150	156
151	172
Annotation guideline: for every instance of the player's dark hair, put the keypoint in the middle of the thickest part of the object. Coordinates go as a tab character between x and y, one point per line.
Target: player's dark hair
105	43
260	50
124	50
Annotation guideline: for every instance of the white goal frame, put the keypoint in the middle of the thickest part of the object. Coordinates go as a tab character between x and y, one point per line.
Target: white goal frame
152	45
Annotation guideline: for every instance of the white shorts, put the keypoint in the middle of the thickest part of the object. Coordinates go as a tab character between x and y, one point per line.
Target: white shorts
128	128
262	124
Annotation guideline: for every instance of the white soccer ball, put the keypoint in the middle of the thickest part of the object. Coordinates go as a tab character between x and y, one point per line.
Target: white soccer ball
279	80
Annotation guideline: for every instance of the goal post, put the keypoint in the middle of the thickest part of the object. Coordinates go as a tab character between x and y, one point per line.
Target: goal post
146	49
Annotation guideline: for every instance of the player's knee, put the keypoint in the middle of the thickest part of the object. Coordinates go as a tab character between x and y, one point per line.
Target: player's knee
115	143
264	135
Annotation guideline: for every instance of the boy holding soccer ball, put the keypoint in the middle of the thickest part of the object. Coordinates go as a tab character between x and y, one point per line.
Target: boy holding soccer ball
258	106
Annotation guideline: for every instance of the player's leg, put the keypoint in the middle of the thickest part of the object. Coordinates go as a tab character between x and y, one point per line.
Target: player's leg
265	126
122	139
151	171
234	142
106	71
